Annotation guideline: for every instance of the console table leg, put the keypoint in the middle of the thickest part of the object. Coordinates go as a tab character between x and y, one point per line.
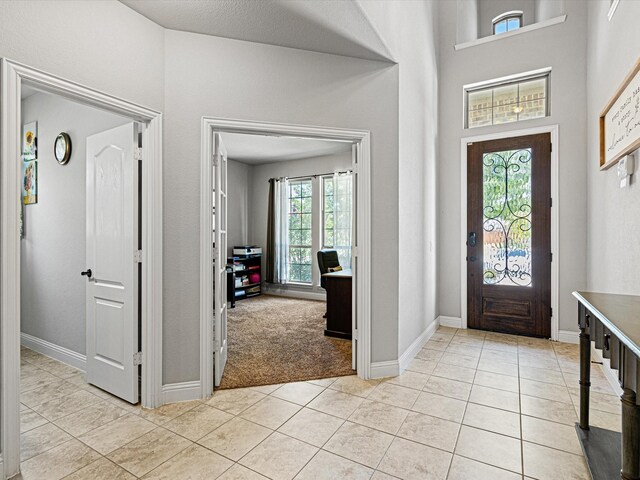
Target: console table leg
630	436
585	372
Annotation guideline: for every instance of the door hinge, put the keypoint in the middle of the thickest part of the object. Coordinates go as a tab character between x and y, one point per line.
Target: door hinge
137	256
137	359
354	252
550	311
355	334
551	147
551	202
354	168
137	153
551	257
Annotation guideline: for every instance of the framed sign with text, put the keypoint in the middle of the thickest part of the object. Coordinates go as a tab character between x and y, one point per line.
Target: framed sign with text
620	121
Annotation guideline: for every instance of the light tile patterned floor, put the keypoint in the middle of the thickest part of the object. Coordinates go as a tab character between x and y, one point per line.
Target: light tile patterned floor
471	406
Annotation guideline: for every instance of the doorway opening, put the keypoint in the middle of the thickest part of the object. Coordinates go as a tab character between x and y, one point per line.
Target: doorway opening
77	166
509	235
287	254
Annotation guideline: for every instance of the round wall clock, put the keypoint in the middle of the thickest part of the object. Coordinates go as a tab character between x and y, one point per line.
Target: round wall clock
62	148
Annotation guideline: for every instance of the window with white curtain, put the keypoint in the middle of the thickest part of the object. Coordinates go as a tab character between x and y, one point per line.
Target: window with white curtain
299	262
337	204
310	213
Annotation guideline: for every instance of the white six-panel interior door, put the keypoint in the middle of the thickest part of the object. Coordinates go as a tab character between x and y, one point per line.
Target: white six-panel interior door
112	268
219	259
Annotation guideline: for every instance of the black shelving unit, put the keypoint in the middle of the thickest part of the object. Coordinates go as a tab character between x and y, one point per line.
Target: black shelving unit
243	279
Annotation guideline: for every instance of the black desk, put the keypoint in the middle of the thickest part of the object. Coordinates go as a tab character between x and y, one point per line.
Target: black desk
339	301
613	322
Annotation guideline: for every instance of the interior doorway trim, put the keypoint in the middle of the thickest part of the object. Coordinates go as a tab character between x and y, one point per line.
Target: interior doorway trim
361	251
555	219
13	75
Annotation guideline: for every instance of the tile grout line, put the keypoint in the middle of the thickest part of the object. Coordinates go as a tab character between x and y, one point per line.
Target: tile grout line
478	428
482	429
520	414
455	445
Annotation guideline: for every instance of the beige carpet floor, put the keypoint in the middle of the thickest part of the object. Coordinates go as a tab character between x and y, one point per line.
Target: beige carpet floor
276	340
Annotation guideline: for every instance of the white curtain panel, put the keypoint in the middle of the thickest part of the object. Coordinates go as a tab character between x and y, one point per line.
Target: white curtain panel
343	211
281	188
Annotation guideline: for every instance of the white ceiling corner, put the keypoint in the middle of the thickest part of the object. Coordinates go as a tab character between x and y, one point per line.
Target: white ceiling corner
336	27
27	91
260	149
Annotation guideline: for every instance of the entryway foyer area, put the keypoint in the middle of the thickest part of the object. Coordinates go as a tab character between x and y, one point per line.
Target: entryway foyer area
433	97
471	405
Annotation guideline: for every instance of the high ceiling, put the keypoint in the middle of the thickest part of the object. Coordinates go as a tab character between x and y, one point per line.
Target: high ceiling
259	149
328	26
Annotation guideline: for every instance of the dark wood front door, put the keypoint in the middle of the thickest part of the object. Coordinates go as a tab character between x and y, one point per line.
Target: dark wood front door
509	235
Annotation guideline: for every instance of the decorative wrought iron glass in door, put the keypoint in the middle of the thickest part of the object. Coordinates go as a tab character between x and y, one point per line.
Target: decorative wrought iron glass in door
508	248
506	209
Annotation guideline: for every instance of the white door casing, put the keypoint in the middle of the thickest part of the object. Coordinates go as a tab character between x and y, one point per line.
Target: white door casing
12	77
362	254
220	258
112	244
354	254
555	217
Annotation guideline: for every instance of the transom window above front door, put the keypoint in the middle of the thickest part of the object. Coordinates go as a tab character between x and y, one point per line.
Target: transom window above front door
506	100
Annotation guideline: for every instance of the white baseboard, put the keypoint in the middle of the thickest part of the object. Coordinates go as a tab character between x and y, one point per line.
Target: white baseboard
181	392
390	368
393	368
611	375
453	322
52	350
284	291
413	349
568	336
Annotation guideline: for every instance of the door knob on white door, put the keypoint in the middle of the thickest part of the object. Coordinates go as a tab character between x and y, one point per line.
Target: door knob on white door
87	273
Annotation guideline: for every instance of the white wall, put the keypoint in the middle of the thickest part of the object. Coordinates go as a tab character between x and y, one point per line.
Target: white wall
467	26
260	192
547	47
414	46
235	79
547	9
238	204
613	258
102	44
53	248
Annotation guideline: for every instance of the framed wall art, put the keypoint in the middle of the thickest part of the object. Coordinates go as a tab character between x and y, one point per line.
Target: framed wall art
29	182
30	141
620	121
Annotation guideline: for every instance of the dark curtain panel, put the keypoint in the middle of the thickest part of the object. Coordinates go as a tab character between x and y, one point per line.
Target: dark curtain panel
271	232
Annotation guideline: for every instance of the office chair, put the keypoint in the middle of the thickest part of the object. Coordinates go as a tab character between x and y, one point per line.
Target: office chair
326	259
